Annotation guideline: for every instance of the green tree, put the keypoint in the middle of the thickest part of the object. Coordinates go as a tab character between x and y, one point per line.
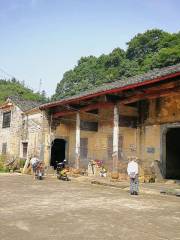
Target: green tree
145	43
13	87
152	49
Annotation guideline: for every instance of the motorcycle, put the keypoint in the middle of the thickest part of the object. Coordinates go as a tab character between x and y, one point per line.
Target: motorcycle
61	171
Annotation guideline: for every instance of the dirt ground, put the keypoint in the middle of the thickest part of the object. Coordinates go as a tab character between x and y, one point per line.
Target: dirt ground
52	209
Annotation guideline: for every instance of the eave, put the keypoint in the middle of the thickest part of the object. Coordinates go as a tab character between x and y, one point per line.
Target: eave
110	91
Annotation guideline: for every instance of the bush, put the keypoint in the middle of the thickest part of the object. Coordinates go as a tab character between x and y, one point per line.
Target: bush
3	167
21	163
10	163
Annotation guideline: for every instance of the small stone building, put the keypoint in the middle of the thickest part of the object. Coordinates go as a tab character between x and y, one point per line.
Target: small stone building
20	128
137	116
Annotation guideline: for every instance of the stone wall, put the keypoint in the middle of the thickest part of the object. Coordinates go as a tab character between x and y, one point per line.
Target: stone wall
32	133
161	111
11	135
23	129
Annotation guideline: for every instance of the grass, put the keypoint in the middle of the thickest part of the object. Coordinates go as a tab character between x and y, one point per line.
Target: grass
4	170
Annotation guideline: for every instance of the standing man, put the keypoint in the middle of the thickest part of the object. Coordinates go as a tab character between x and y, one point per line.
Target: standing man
132	171
34	162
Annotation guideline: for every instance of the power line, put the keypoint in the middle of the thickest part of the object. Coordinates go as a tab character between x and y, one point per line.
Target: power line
6	73
2	77
11	76
40	85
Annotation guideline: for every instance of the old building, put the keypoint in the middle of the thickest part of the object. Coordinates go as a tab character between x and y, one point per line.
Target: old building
20	128
137	116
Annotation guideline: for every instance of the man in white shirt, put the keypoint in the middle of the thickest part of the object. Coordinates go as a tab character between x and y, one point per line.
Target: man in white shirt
132	171
34	162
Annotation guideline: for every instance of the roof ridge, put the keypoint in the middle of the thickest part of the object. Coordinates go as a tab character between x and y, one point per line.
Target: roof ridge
120	83
24	104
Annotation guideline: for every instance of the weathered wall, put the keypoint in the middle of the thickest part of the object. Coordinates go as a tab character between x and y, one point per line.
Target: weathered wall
32	126
143	141
100	142
160	111
39	135
23	129
11	135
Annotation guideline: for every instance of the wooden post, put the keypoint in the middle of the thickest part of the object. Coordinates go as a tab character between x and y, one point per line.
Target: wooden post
26	138
115	139
77	141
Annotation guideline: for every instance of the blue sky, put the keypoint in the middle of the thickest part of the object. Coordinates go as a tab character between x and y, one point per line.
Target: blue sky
41	39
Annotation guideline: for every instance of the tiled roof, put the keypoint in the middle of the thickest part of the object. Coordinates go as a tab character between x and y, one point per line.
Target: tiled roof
121	83
24	105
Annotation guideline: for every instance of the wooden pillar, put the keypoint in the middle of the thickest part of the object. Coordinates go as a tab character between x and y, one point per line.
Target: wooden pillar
115	139
48	128
77	160
26	137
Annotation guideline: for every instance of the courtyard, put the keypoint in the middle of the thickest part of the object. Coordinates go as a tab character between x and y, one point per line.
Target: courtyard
52	209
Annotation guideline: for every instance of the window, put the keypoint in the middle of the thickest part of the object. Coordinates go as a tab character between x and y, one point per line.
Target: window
84	152
83	147
128	121
25	147
89	126
4	148
6	119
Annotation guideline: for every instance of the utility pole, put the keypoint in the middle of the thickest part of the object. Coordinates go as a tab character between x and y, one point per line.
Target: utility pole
40	85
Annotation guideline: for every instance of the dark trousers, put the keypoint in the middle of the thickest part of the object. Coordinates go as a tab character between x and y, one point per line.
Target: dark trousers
134	184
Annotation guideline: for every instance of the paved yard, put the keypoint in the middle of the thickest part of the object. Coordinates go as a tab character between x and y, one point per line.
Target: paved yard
53	209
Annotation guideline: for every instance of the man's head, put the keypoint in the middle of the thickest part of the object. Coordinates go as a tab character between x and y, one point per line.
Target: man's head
130	158
134	158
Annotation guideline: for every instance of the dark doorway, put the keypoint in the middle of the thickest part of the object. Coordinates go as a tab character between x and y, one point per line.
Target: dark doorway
58	150
173	153
25	148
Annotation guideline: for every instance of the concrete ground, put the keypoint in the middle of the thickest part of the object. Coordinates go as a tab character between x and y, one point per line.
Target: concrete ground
52	209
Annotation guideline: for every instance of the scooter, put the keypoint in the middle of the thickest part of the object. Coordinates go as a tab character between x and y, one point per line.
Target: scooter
61	171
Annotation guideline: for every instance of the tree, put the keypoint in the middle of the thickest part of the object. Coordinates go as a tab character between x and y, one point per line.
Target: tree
152	49
166	57
145	43
14	87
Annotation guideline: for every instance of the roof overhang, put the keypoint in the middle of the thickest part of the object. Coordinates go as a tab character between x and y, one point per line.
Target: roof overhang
109	91
6	104
32	111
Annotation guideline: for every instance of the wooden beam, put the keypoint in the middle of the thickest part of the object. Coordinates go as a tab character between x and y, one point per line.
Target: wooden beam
84	109
162	86
154	92
63	113
150	95
153	89
173	93
96	106
111	91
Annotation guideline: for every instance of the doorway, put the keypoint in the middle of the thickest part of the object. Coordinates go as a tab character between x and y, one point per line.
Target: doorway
58	151
173	153
24	149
